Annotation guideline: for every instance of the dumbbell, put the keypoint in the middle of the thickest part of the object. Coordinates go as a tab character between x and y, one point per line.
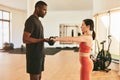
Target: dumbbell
50	41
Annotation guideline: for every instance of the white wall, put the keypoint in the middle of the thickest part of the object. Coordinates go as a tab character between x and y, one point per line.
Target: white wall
18	20
17	24
51	21
103	5
53	18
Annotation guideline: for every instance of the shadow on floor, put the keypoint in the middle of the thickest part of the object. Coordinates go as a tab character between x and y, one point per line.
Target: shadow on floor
48	51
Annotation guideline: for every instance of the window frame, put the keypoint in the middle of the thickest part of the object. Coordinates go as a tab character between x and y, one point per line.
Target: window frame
115	57
2	25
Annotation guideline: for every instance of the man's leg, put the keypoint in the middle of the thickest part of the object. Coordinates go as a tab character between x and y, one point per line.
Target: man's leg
35	76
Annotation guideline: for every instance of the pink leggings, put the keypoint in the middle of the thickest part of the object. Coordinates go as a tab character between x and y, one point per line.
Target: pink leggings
86	68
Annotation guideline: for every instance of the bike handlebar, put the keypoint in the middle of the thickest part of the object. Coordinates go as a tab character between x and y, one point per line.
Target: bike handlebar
103	42
109	36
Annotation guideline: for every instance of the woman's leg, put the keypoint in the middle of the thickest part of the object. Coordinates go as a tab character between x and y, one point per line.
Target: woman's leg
86	69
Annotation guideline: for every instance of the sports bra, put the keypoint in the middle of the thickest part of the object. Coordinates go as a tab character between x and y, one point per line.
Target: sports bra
84	48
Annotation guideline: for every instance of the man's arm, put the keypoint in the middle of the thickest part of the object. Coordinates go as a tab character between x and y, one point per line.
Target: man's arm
27	39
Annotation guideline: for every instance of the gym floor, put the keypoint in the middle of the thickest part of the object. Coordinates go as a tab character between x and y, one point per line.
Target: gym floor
61	66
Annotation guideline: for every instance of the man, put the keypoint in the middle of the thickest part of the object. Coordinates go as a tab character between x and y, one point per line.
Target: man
33	37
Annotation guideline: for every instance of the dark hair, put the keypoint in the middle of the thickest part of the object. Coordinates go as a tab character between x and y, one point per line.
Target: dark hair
40	3
91	24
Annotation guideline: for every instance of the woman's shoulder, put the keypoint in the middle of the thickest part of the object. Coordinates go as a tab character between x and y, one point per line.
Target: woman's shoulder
86	37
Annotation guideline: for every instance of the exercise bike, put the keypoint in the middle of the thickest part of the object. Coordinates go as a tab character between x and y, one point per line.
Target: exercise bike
103	59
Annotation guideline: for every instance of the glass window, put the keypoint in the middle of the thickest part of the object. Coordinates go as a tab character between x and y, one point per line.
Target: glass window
6	15
102	28
0	33
108	23
4	27
115	32
0	14
5	32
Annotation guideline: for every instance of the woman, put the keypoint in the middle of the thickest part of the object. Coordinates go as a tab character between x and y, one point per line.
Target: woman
85	45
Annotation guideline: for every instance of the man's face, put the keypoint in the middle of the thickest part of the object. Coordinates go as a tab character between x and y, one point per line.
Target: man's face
42	10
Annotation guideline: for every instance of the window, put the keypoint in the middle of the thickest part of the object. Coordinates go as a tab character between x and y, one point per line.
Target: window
4	27
108	23
115	32
103	25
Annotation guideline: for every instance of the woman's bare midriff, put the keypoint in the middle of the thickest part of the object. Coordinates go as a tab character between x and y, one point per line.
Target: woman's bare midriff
84	54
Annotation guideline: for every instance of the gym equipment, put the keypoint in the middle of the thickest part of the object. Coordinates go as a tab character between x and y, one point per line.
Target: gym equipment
50	41
8	46
103	59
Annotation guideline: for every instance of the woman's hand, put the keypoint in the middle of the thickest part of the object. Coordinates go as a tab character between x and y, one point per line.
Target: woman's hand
53	38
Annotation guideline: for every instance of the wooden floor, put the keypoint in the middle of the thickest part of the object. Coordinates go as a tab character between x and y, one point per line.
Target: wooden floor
62	66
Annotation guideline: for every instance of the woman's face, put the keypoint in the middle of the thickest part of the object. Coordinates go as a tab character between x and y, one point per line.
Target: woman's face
84	28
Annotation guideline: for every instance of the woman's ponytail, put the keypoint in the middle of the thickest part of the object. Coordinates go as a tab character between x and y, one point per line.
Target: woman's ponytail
93	35
91	24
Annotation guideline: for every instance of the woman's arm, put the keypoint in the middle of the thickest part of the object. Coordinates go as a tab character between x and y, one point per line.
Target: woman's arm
71	39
